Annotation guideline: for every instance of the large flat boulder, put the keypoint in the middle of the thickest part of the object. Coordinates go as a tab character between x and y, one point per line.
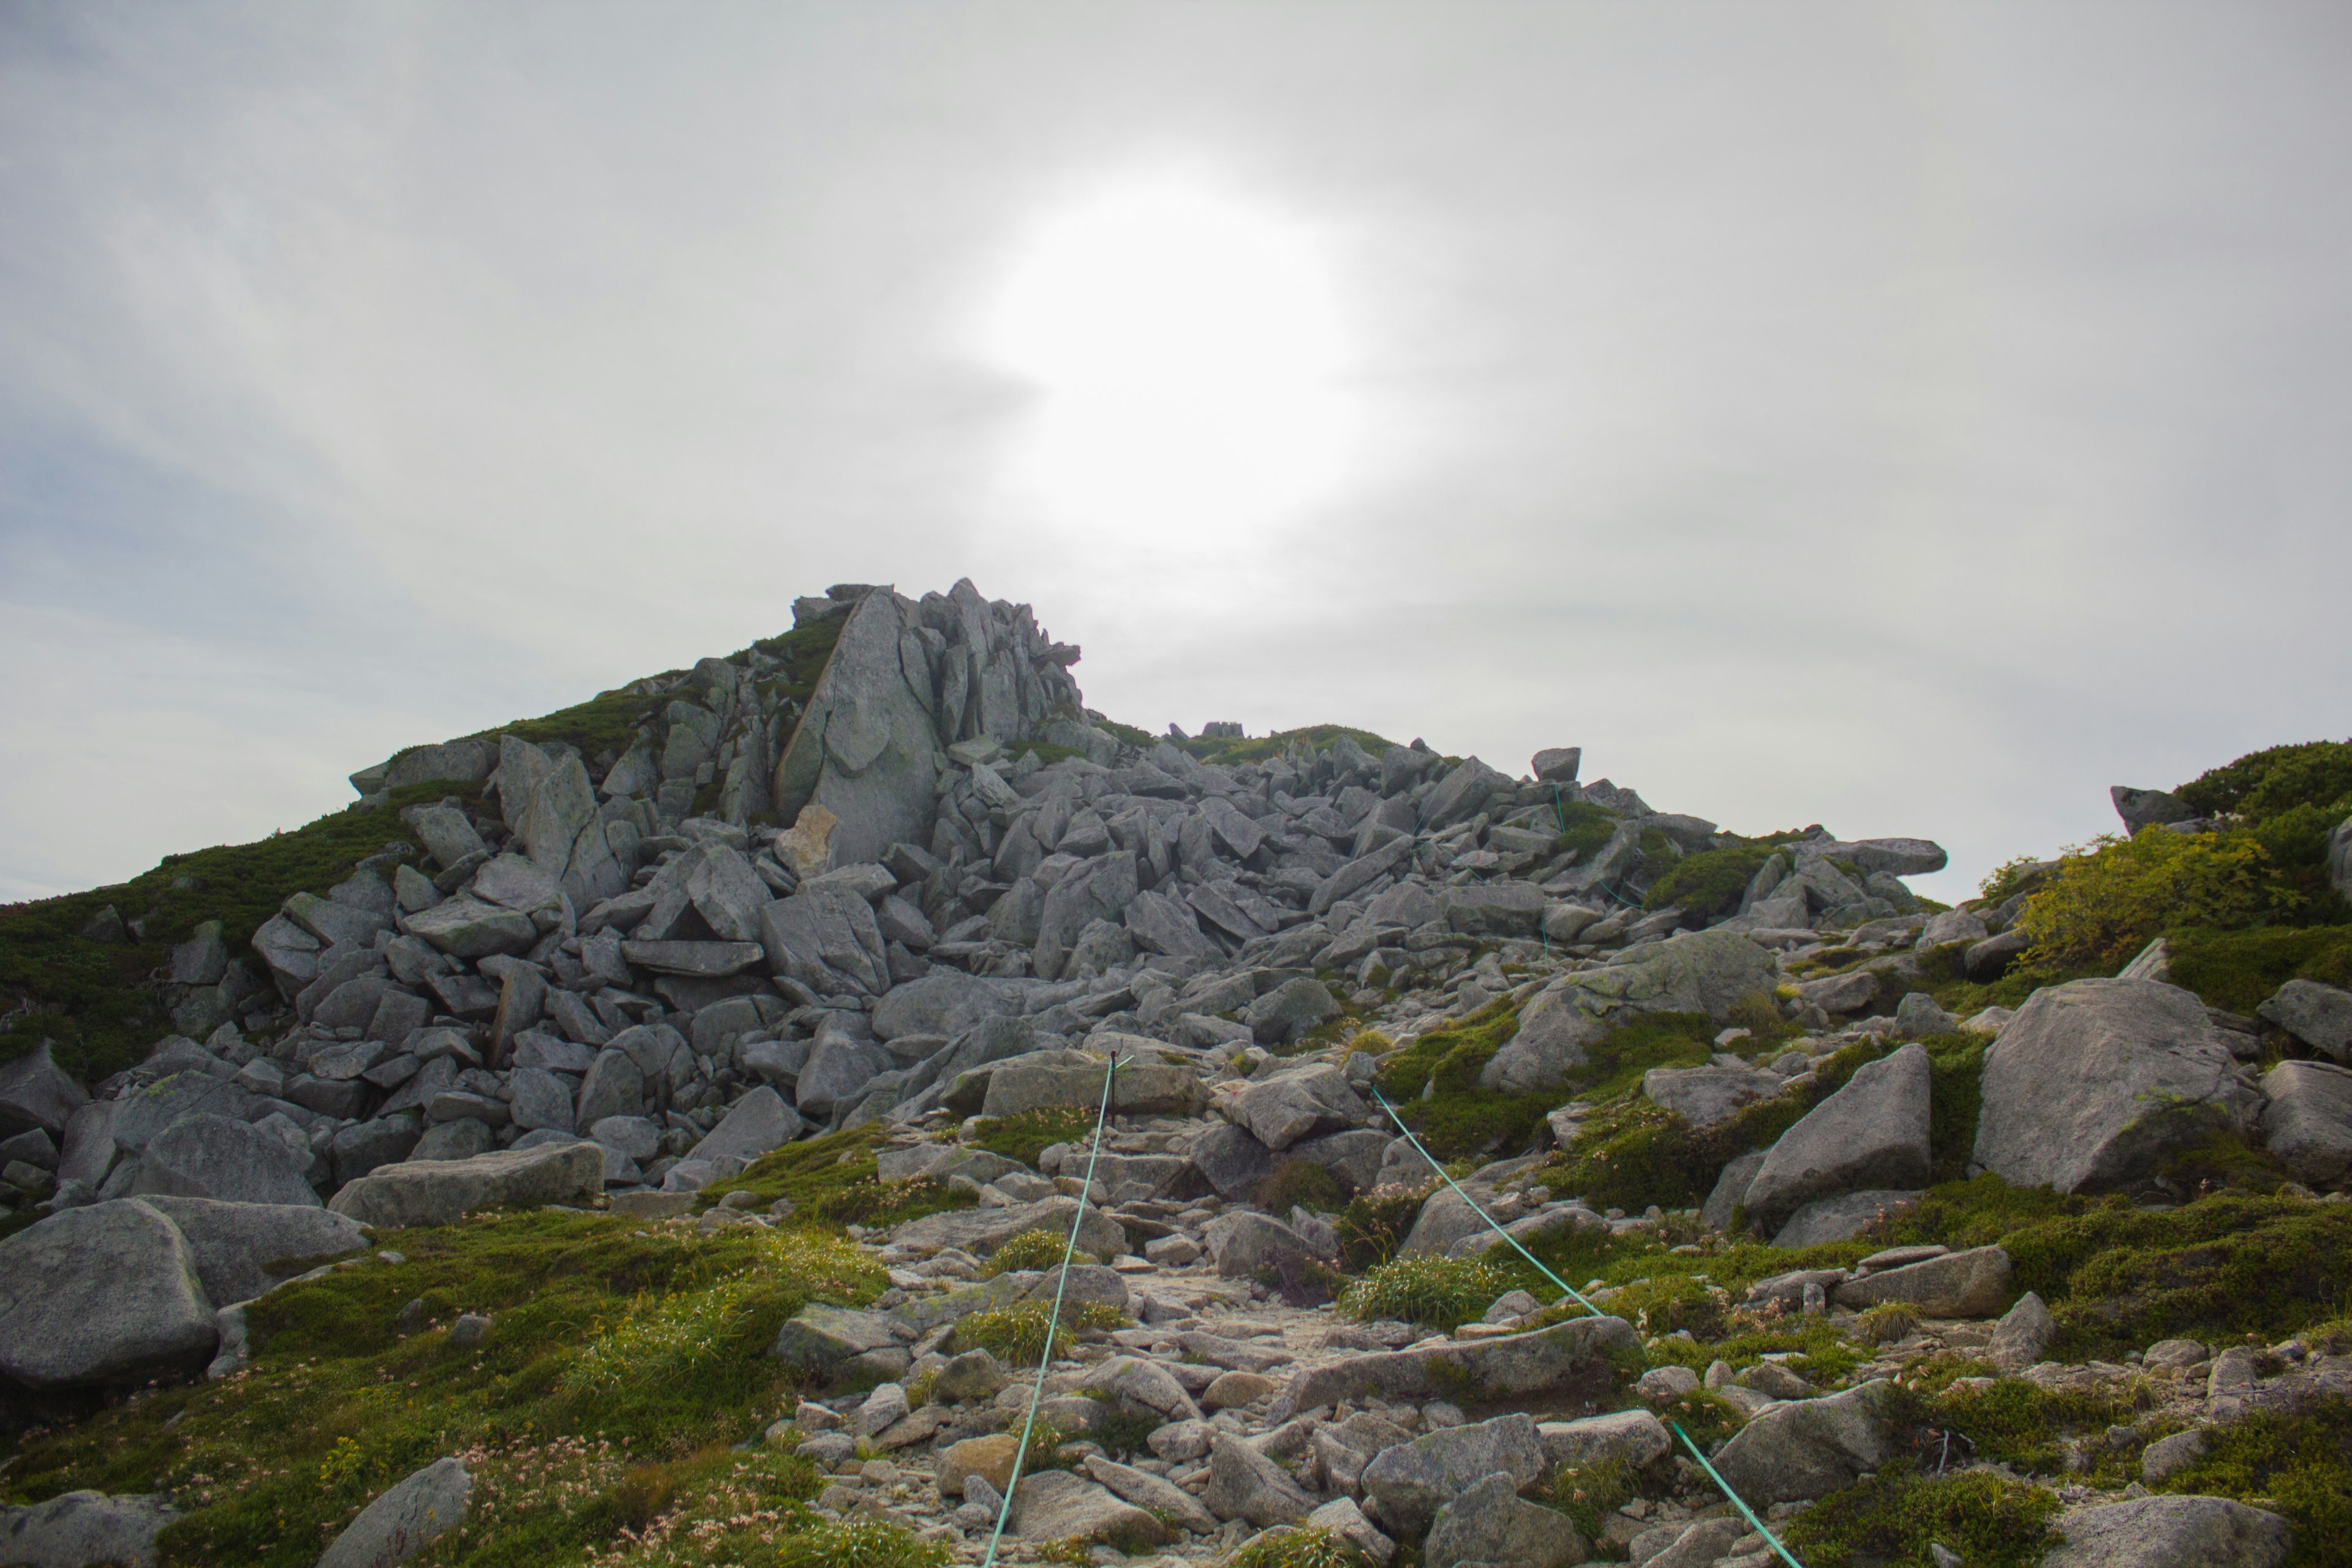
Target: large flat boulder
1872	1133
79	1530
2095	1082
1054	1505
438	1191
1699	972
101	1296
1562	1360
242	1249
209	1156
757	1124
2171	1532
1041	1078
945	1002
2319	1015
981	1231
1972	1284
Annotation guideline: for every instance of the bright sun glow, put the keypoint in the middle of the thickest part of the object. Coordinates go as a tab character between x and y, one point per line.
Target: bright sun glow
1187	347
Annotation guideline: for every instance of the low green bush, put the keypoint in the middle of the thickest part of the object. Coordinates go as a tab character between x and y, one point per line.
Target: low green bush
1300	1546
1301	1182
1375	1223
1034	1249
835	1180
1588	1494
2296	1466
1026	1134
1710	883
1892	1520
859	1543
1437	1292
2108	900
2238	970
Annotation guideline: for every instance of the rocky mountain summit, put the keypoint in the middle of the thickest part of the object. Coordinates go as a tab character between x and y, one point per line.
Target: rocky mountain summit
652	1132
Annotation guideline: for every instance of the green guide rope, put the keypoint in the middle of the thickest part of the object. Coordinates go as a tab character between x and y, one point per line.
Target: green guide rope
1054	1321
1571	1292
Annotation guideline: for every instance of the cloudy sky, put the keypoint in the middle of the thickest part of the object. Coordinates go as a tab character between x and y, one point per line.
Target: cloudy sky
1913	418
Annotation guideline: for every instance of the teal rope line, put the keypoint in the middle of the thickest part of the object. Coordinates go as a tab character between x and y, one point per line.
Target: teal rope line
1745	1513
1054	1321
1478	1210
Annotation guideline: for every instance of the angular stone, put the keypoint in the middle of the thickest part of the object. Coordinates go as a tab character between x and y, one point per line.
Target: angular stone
79	1530
1285	1111
981	1231
1972	1284
1565	1358
36	1092
828	940
209	1156
1807	1448
1699	972
2171	1532
1245	1484
1231	1160
1054	1505
99	1296
1290	1009
241	1250
470	927
407	1519
987	1459
1073	1077
1637	1437
942	1002
616	1086
1487	1523
2308	1120
1872	1133
1250	1246
754	1125
1706	1096
820	1338
837	1074
1408	1483
1138	1383
1843	1217
1151	1492
2319	1015
1502	908
2024	1333
541	1099
420	1191
2095	1082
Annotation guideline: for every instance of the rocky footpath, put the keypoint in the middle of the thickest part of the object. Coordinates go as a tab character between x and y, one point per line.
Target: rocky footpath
940	894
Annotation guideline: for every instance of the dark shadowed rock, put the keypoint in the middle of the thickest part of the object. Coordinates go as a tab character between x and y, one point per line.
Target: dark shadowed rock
437	1192
103	1295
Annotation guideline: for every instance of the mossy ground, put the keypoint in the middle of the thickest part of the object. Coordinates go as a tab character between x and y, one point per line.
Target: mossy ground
623	1363
1892	1520
92	998
835	1180
1460	1119
1029	1133
1257	749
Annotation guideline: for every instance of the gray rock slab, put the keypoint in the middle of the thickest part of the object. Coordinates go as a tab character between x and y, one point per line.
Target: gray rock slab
84	1529
438	1191
1972	1284
1247	1485
405	1519
1562	1359
1297	1106
1635	1436
1055	1505
1872	1133
2095	1081
1488	1523
2319	1015
107	1294
241	1250
36	1092
1409	1482
1843	1217
2308	1120
1706	1096
757	1124
209	1156
981	1231
1699	972
2171	1532
1810	1448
